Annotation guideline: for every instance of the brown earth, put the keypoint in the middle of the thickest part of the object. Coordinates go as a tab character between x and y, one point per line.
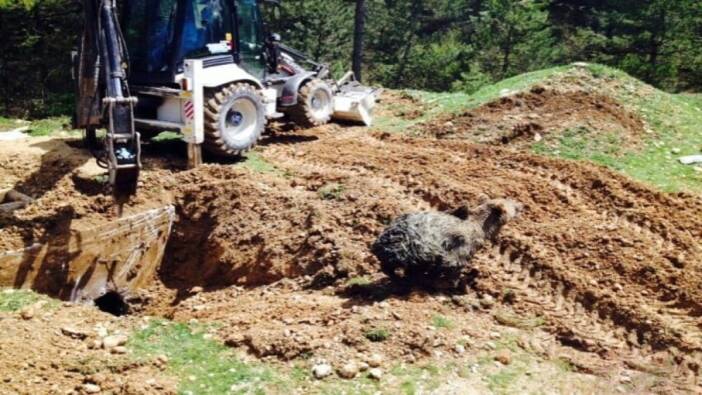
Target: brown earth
609	268
541	113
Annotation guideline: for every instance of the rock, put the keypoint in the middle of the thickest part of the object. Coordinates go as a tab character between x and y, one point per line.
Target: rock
196	290
691	160
119	350
487	301
459	349
114	341
73	332
363	366
27	314
375	373
375	360
321	370
95	344
675	150
91	388
504	357
537	137
349	370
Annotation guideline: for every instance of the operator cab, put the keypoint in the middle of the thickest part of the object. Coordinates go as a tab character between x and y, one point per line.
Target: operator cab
161	34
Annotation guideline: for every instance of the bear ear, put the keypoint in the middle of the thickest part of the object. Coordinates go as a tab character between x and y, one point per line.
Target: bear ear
461	212
497	209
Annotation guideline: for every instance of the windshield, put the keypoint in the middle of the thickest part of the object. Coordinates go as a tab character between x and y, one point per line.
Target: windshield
149	32
155	39
206	22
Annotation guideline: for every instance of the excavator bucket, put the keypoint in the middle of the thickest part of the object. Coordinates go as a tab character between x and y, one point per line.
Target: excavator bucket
85	264
354	102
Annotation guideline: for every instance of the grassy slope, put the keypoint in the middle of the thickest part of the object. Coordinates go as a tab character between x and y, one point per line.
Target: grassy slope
675	122
39	127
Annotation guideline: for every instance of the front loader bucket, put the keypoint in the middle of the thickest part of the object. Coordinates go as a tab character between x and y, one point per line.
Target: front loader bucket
354	102
85	263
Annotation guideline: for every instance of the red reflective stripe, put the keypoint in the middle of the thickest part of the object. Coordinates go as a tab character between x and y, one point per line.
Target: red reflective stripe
189	109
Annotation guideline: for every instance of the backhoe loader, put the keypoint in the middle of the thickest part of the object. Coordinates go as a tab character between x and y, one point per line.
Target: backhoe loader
207	69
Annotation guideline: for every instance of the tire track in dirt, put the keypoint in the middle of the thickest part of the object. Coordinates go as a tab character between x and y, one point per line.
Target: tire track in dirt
596	253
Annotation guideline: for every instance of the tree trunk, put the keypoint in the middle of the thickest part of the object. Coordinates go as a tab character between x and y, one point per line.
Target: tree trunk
506	52
358	32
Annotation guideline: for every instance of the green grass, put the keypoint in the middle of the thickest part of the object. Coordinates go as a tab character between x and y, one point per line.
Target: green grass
16	299
256	163
165	137
204	366
377	334
40	127
8	124
439	321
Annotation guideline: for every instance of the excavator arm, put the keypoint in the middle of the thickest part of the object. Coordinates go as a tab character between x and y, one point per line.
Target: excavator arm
103	98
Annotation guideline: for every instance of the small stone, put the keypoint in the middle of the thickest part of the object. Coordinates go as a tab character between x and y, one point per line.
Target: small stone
95	344
114	341
362	367
349	370
504	357
119	350
321	370
495	335
375	360
27	314
537	137
459	349
490	345
73	332
675	150
375	373
91	388
487	301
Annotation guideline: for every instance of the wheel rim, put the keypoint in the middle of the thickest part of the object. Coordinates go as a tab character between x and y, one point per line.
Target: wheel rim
320	103
240	123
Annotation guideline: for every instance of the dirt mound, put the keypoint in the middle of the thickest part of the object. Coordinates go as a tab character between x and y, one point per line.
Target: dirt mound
611	267
539	114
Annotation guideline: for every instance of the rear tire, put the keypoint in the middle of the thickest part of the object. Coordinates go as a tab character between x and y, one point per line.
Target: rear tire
234	120
314	104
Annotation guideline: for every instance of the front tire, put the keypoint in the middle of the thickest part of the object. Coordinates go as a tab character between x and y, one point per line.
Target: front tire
314	104
234	120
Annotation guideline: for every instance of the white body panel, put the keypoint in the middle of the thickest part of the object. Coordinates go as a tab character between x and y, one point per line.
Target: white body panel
171	110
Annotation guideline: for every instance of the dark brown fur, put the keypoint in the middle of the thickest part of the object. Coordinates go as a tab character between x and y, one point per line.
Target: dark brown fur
434	249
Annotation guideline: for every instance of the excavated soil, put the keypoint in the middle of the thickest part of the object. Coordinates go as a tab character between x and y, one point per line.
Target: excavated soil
609	268
540	114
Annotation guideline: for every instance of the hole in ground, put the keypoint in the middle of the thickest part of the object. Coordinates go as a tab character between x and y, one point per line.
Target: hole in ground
112	303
